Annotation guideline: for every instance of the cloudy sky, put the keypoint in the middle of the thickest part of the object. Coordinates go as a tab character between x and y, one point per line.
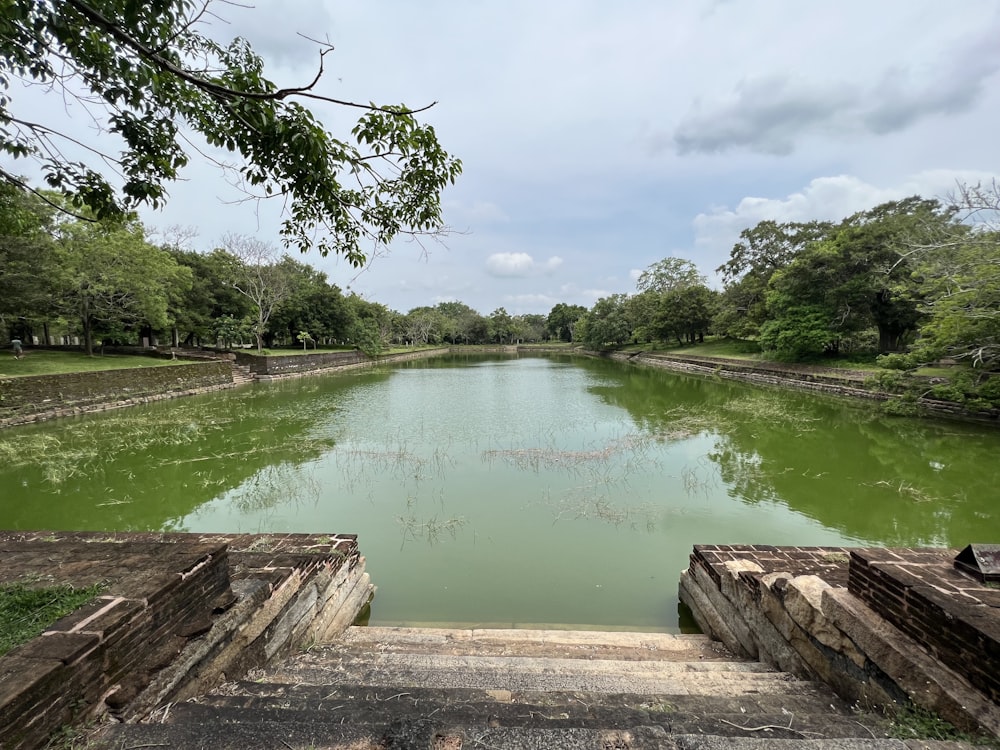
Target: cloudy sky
598	138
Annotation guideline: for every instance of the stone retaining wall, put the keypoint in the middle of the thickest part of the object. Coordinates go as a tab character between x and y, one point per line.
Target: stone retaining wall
836	383
180	614
385	359
37	397
762	375
796	609
275	367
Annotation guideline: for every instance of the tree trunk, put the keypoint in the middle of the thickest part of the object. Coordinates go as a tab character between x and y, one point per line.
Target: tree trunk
888	339
88	336
88	333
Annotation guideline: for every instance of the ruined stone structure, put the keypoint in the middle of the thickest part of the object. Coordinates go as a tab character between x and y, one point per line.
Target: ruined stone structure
883	627
179	613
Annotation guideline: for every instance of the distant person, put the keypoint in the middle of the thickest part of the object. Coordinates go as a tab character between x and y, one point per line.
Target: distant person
18	351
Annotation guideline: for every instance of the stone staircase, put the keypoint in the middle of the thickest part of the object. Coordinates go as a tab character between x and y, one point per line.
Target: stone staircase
241	374
434	689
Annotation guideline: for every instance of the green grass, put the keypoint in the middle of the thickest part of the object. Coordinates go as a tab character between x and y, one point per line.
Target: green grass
750	351
26	612
51	362
912	722
728	348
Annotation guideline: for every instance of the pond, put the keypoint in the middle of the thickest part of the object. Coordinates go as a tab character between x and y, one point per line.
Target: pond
513	491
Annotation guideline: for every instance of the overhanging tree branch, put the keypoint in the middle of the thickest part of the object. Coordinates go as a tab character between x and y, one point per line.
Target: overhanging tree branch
216	89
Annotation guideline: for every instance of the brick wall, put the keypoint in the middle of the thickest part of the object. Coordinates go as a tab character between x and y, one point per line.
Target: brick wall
950	614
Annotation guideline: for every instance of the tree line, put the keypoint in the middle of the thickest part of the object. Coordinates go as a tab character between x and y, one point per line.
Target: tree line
915	279
108	281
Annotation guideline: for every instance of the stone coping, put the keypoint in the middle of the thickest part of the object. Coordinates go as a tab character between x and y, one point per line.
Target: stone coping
829	563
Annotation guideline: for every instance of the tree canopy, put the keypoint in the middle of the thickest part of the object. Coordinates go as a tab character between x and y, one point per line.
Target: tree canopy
145	72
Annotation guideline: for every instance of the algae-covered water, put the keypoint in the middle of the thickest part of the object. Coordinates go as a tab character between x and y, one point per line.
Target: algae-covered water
513	491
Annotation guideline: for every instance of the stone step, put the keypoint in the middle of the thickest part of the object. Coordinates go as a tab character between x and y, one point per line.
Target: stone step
265	694
330	666
580	644
439	689
585	712
402	735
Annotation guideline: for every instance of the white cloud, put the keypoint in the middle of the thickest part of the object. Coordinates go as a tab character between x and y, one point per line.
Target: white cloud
520	265
460	213
822	199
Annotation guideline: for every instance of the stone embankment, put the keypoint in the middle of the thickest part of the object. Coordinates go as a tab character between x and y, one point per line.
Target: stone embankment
179	614
881	627
40	397
277	367
828	380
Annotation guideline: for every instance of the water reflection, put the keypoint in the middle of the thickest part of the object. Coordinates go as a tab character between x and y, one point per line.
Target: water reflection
148	468
877	478
504	491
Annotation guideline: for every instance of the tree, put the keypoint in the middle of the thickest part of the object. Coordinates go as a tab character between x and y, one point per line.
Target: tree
501	326
111	279
606	324
305	338
684	314
461	322
211	295
228	329
371	326
26	260
669	274
562	319
259	278
143	71
673	301
424	325
533	327
312	304
852	280
768	246
760	251
640	310
960	271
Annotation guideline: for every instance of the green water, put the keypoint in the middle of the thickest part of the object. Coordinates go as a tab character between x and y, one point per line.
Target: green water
513	491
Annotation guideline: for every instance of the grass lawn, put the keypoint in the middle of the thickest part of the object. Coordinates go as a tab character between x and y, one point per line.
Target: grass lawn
50	362
728	348
26	611
292	351
748	350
